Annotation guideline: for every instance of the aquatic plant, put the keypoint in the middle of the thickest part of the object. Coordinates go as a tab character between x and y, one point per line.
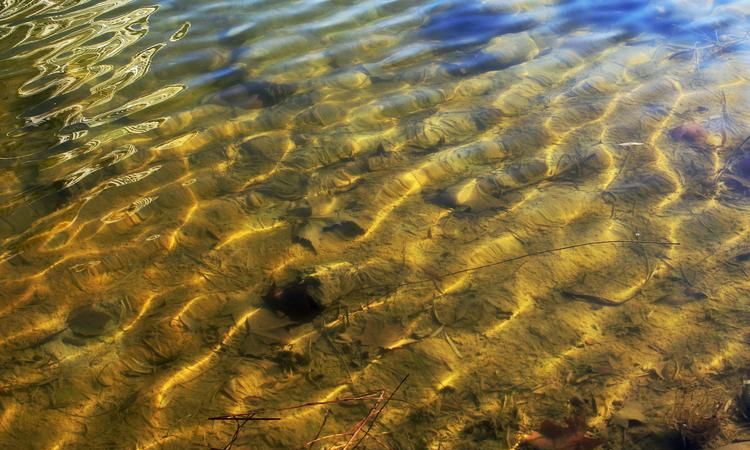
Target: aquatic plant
696	419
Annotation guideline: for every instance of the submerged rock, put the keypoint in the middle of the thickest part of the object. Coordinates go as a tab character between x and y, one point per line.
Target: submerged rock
87	321
312	291
312	234
736	176
570	436
294	300
472	23
691	132
253	94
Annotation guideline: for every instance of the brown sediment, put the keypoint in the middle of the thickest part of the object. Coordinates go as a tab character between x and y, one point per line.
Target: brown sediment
691	132
337	203
552	436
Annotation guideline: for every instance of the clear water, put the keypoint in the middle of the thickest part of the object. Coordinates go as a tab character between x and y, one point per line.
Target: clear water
170	168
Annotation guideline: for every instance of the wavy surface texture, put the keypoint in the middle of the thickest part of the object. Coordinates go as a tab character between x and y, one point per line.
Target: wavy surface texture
215	207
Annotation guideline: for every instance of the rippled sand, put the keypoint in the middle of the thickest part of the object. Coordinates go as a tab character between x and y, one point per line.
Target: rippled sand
166	167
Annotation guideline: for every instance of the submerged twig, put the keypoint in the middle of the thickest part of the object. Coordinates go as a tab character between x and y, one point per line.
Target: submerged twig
355	436
322	425
236	434
595	299
433	278
739	147
240	423
341	360
380	410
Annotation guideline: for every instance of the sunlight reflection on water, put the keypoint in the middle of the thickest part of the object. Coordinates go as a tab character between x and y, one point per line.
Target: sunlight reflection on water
208	208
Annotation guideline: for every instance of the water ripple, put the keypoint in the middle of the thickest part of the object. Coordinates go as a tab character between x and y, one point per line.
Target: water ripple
208	206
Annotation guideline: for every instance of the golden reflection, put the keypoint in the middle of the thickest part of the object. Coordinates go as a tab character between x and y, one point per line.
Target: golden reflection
188	373
168	169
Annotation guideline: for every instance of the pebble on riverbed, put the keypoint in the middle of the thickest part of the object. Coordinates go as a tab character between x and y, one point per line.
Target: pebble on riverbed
87	321
691	132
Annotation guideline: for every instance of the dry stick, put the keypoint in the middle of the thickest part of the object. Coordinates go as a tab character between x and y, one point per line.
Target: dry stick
724	119
247	416
361	424
322	425
739	148
327	437
377	441
380	402
367	396
236	434
341	360
242	419
372	423
516	258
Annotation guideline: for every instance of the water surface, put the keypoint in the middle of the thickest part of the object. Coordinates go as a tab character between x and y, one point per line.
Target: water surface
170	167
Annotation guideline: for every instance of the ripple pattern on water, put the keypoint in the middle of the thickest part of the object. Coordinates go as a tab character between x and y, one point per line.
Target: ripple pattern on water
168	169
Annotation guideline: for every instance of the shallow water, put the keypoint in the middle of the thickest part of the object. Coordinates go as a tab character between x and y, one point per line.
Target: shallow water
170	168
